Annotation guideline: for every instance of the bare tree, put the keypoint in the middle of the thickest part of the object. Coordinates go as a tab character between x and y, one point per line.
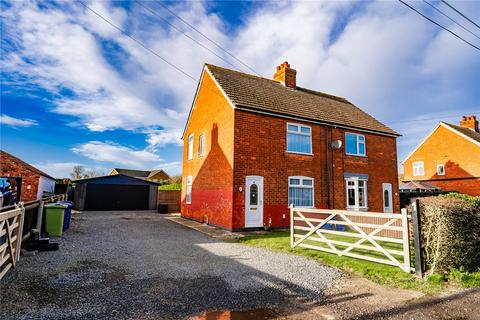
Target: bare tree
77	172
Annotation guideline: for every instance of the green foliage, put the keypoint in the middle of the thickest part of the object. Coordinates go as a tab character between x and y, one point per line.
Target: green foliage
474	201
379	273
172	186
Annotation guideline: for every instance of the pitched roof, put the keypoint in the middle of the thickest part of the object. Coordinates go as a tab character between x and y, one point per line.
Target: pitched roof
154	172
133	173
29	166
414	185
465	131
249	92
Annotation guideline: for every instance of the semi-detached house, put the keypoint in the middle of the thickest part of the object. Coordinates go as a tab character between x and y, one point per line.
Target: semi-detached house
252	146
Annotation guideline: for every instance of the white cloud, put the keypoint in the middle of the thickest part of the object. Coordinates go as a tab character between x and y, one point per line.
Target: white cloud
63	169
15	122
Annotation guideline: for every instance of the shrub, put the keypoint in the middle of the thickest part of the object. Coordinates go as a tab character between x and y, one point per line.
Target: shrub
451	233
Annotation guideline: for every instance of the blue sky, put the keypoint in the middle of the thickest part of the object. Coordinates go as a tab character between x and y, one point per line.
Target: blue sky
77	91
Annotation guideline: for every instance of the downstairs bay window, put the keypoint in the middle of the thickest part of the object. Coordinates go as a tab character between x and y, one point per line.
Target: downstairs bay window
300	192
356	192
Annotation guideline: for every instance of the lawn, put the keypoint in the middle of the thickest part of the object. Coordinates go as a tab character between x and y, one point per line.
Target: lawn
379	273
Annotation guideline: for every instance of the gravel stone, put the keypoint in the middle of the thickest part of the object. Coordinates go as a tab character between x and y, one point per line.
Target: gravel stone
139	265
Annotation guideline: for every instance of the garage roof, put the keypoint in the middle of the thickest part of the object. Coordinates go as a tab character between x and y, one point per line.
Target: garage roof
116	179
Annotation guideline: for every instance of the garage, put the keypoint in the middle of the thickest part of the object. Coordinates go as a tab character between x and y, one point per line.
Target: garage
115	192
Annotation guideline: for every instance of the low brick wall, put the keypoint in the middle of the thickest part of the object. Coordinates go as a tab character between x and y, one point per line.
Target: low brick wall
170	197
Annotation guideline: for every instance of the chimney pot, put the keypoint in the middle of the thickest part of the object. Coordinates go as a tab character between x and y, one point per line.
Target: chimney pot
286	75
469	122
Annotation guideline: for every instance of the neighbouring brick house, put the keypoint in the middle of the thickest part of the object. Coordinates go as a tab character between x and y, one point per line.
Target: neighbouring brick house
254	145
448	158
35	183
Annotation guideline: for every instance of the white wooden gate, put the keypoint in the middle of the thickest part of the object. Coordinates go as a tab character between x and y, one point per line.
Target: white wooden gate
11	225
372	236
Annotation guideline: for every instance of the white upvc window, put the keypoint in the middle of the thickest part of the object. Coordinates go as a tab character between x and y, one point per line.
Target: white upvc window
299	138
418	168
357	195
188	191
355	144
440	169
201	145
300	192
190	147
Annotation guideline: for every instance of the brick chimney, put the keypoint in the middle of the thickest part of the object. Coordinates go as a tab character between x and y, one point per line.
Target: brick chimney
469	122
286	75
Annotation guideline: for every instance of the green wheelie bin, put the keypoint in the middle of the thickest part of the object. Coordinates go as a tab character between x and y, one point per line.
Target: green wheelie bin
54	215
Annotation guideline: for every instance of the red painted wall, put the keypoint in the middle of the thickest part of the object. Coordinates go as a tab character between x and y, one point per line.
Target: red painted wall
212	173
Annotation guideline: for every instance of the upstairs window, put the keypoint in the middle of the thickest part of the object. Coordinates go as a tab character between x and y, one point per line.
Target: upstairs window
299	138
190	147
356	193
355	144
418	168
300	192
440	169
201	145
188	191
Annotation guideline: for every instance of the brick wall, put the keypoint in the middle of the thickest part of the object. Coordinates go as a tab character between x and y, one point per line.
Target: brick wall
460	156
9	166
260	149
212	173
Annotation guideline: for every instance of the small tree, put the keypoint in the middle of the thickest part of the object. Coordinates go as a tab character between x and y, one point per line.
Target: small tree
77	172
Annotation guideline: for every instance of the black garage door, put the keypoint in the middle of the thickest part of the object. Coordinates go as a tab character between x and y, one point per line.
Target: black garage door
116	197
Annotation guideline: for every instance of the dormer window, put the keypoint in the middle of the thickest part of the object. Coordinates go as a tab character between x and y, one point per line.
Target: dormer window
355	144
299	138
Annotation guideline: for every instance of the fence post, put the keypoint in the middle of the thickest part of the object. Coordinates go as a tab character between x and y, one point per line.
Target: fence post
20	232
40	216
417	238
406	240
292	239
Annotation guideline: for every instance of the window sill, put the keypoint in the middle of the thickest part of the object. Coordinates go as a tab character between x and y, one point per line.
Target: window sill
300	153
356	155
357	209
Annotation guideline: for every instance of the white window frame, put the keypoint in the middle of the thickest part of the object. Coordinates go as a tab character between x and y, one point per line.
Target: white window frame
356	180
201	145
440	166
188	191
301	185
358	143
191	139
299	132
418	169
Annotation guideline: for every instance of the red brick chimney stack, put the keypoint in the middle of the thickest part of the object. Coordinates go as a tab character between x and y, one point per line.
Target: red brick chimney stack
469	122
286	75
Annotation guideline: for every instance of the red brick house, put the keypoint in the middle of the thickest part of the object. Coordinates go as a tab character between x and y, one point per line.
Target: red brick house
34	182
448	158
254	145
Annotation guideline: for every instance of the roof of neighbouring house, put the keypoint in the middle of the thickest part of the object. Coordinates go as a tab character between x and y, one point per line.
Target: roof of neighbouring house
417	185
116	179
139	173
157	171
465	131
29	166
133	173
253	93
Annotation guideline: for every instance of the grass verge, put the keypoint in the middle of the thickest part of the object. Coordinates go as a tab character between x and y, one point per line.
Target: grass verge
378	273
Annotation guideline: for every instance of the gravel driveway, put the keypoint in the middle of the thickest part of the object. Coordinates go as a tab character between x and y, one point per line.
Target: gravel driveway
139	265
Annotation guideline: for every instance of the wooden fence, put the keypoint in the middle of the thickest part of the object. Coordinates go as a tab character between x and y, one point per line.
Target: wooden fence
14	230
337	232
171	198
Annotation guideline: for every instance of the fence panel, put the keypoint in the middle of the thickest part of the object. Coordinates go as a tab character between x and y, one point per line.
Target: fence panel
376	237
